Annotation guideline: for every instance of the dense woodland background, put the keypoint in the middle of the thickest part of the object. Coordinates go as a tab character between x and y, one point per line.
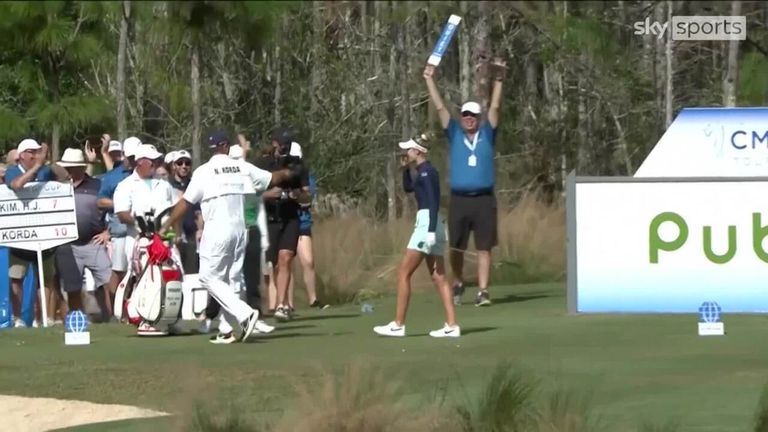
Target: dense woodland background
582	91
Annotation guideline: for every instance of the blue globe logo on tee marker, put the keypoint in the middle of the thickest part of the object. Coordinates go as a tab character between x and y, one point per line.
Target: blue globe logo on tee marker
75	322
709	312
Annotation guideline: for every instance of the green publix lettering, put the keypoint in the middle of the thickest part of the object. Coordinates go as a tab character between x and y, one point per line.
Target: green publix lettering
656	244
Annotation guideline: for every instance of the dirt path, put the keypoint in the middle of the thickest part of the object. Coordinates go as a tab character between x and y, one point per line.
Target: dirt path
24	414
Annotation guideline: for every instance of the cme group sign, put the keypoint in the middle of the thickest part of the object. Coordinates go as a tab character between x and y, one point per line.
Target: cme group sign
752	140
690	226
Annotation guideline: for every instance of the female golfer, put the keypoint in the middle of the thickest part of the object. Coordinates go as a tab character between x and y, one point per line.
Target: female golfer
428	240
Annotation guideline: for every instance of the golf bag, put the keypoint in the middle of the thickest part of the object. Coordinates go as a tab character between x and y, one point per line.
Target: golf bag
151	291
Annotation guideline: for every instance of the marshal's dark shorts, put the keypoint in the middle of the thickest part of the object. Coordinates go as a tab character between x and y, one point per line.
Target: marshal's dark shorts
472	213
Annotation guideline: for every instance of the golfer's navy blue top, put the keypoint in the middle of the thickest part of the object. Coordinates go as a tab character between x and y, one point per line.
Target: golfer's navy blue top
427	189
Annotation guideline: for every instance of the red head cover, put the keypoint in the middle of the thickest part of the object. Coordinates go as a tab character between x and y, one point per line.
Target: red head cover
157	251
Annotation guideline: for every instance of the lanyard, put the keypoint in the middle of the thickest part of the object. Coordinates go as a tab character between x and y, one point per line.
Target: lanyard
471	146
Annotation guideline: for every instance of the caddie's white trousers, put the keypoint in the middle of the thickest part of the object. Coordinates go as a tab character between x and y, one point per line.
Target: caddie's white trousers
221	272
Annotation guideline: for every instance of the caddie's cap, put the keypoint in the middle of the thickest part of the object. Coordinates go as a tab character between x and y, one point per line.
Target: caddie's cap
217	138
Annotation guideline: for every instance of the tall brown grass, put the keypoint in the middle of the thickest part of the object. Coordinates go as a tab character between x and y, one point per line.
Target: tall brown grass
532	236
361	398
357	257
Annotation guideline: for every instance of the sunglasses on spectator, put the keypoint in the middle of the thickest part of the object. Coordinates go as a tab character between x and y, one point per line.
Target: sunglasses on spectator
184	162
468	114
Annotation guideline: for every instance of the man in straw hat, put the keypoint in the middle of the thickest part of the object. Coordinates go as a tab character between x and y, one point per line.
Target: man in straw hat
89	251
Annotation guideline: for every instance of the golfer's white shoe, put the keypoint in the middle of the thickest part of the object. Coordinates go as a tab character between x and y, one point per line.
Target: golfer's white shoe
262	327
391	329
446	331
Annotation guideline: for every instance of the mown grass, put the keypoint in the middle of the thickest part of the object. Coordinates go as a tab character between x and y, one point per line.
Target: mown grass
592	372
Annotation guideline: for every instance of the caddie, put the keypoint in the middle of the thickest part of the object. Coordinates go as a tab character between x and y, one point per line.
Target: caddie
219	185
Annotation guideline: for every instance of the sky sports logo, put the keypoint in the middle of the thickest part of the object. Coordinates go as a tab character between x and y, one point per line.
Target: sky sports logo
696	28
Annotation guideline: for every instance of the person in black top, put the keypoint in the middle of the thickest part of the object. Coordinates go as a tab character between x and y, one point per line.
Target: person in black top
282	204
428	241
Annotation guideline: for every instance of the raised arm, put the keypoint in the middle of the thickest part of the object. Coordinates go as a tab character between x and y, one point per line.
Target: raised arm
90	155
493	111
108	162
434	95
59	173
19	182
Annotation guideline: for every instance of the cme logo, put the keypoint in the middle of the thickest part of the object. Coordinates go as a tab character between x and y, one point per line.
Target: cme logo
742	140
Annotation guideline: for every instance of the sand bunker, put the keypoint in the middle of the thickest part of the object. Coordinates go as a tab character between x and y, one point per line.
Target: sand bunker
25	414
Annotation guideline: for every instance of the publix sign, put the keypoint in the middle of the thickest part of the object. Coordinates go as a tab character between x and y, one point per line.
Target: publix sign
657	244
690	226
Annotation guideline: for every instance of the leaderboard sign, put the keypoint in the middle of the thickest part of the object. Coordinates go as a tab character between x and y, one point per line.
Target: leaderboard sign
39	217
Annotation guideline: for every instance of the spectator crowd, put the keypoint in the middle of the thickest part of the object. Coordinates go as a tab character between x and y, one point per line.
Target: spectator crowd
135	177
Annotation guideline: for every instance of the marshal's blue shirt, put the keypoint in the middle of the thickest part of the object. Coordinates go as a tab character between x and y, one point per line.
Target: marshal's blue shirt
480	178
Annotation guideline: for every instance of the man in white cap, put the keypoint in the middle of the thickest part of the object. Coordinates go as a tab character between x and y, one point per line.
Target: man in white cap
31	167
139	194
121	159
472	207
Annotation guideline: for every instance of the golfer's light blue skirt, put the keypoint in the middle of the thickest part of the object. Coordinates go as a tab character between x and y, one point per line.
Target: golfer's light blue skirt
419	236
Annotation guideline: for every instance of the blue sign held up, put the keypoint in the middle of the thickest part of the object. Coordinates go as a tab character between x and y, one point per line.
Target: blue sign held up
445	39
